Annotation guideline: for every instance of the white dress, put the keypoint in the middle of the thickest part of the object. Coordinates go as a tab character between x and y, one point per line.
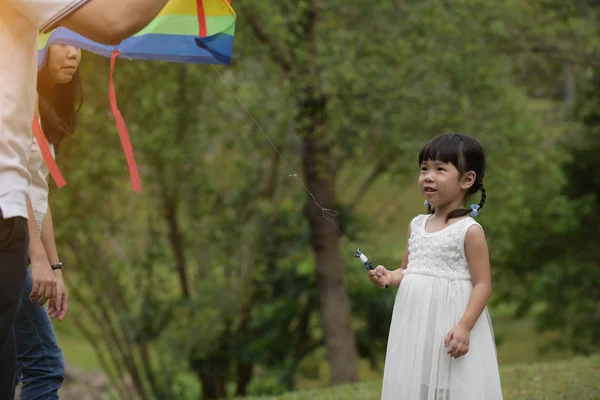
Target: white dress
430	301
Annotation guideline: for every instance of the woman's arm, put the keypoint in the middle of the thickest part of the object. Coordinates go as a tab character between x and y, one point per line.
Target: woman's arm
48	238
44	281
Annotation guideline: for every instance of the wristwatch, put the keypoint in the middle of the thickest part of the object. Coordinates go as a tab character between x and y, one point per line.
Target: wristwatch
57	266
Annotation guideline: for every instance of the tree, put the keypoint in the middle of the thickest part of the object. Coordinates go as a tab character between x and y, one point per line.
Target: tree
185	273
295	51
556	60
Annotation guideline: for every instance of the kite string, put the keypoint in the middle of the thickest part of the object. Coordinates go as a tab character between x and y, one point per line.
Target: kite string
327	213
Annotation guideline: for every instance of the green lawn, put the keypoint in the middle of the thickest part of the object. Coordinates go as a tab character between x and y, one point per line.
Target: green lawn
76	350
575	379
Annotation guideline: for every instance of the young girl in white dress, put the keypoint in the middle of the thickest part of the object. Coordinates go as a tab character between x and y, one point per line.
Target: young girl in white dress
441	342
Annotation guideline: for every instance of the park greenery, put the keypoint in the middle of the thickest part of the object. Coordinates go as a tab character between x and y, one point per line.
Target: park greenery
232	273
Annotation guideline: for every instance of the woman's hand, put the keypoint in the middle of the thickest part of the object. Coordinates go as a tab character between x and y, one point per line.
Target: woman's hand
44	282
459	336
58	308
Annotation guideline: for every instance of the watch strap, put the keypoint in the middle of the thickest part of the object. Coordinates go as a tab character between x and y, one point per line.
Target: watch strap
57	266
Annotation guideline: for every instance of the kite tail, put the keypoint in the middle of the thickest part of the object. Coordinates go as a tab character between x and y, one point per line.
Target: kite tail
122	128
46	153
201	18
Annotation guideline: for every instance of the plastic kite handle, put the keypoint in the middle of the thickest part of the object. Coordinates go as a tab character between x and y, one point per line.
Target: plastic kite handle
46	153
365	261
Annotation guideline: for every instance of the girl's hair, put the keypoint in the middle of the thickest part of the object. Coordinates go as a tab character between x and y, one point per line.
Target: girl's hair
466	154
59	106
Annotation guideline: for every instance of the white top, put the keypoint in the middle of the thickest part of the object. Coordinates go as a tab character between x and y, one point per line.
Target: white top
20	22
38	189
440	254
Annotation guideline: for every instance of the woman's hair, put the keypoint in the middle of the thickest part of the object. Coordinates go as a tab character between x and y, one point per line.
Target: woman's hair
466	154
59	106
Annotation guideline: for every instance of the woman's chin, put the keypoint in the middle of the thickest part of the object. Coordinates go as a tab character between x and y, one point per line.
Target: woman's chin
63	78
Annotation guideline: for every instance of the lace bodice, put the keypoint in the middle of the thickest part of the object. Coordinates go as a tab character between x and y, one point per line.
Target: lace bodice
441	253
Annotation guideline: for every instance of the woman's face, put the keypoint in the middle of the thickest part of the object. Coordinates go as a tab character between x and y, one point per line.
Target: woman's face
63	60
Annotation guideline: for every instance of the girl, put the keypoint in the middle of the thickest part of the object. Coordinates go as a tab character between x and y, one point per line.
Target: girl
441	342
39	357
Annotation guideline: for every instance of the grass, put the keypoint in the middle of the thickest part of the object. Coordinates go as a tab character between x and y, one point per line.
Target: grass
76	350
519	342
574	379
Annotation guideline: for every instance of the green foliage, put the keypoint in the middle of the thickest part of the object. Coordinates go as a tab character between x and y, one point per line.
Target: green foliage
553	271
567	286
267	386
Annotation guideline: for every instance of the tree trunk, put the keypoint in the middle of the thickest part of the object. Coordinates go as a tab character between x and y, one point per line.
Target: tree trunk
177	244
320	179
244	376
300	64
213	387
213	369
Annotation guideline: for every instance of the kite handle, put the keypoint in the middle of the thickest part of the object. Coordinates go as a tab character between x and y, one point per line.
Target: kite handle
46	153
365	261
122	128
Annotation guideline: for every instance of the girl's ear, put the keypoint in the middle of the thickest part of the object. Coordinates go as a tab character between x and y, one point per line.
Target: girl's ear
468	180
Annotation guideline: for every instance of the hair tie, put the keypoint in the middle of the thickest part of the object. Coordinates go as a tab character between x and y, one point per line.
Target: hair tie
474	208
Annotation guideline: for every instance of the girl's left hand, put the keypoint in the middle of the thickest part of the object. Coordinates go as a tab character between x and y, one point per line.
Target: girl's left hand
459	336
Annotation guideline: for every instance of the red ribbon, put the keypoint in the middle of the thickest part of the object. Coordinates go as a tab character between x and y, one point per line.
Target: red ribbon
46	153
201	18
125	142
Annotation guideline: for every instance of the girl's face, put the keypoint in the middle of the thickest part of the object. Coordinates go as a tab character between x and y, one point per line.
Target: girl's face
63	60
441	183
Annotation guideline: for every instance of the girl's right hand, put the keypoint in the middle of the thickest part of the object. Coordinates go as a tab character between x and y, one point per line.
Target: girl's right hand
380	276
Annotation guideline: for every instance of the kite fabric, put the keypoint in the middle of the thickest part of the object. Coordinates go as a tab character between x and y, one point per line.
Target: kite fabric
185	31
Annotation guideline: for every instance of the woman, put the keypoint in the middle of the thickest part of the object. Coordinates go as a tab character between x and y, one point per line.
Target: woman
39	357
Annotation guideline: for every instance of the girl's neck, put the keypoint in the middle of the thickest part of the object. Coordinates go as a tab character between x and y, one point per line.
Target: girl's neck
442	211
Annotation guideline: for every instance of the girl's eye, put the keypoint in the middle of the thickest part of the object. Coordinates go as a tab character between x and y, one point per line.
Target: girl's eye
441	169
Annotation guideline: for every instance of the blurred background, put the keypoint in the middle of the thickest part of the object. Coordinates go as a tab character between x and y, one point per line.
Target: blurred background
224	279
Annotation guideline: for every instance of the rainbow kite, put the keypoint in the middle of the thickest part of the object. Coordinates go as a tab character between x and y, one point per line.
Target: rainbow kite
187	31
